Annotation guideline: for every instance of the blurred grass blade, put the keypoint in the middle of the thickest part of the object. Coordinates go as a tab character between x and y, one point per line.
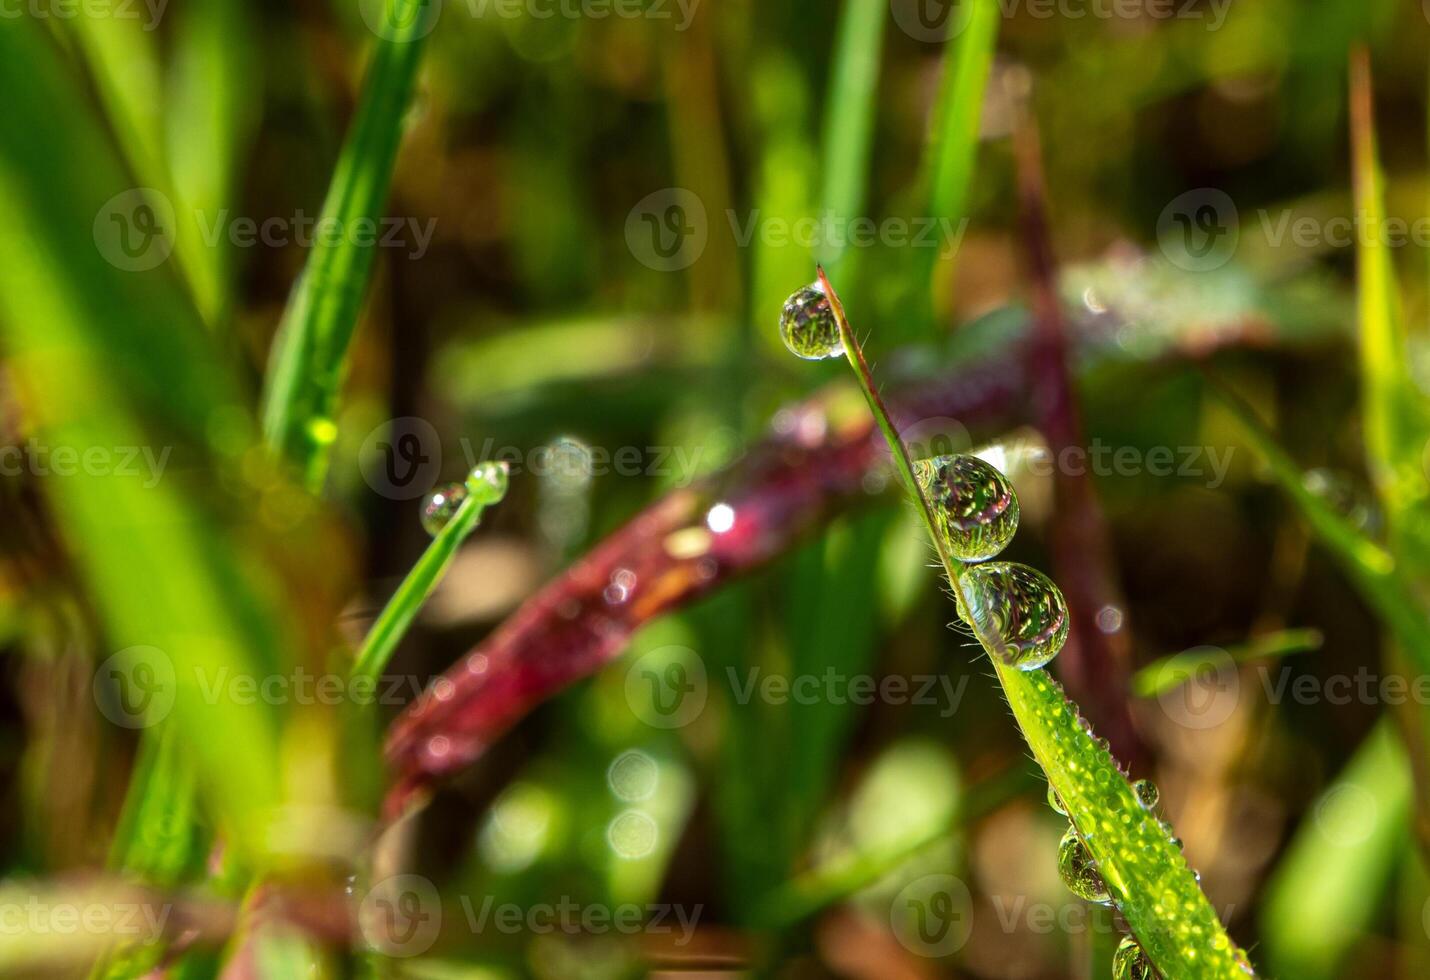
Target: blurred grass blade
310	351
947	167
1369	566
849	119
122	55
392	623
111	359
212	99
1166	673
1397	424
1326	891
1144	869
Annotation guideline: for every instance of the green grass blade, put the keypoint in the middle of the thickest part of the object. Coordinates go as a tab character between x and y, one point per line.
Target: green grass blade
1369	566
849	118
1166	673
392	623
1324	894
108	358
953	146
1145	871
1396	420
210	121
310	351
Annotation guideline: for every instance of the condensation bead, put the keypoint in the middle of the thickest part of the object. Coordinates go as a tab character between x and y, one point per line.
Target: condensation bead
1078	871
1131	963
1020	609
974	508
808	326
441	505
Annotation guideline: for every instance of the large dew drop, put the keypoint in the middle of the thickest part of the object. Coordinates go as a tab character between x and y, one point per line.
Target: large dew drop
1131	963
1079	873
1021	609
974	507
1147	794
808	326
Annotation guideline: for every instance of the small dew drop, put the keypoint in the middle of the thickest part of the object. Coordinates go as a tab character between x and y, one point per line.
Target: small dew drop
441	506
1054	802
808	326
1147	793
1022	609
1131	963
1078	871
974	507
489	481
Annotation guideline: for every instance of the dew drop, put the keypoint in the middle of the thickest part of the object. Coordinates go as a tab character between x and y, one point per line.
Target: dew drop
1147	793
1131	963
441	506
1078	871
1054	802
489	481
1345	496
974	507
1021	609
808	326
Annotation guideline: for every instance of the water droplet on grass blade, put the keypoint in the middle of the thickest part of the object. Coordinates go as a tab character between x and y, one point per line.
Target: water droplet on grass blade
974	507
489	481
1021	609
441	506
1078	871
1131	963
1147	793
1054	802
808	326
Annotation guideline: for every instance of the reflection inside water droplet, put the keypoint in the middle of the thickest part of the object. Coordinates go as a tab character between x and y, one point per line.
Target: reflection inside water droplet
974	508
1020	609
1131	963
1079	873
808	326
441	506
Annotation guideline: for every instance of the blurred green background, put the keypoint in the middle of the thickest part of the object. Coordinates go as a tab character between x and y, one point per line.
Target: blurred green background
595	212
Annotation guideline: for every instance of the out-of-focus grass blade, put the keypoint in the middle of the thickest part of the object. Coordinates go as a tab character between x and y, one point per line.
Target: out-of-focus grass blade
947	168
1165	673
1367	564
211	113
310	351
95	350
402	608
122	55
1396	418
1325	891
849	118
